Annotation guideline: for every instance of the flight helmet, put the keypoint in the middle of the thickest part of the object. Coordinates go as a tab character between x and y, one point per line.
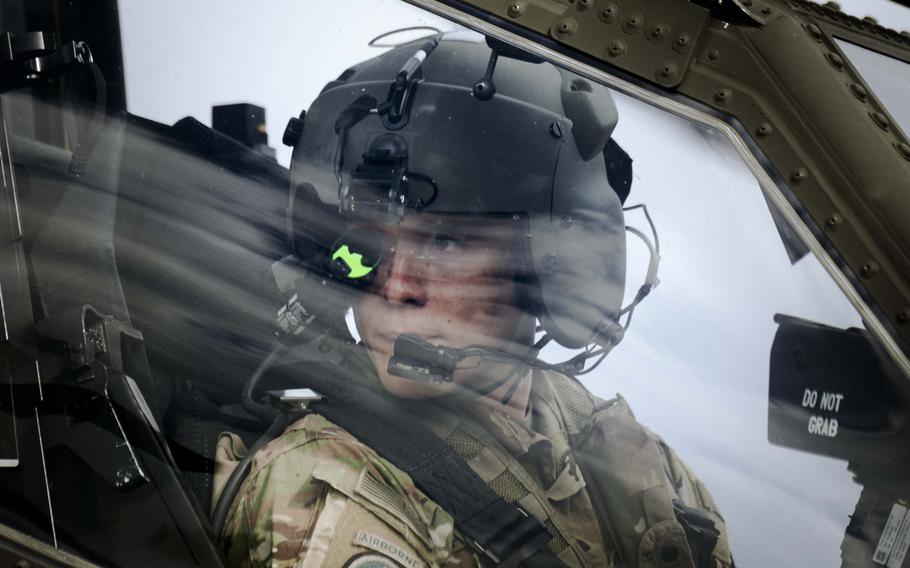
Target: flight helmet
460	124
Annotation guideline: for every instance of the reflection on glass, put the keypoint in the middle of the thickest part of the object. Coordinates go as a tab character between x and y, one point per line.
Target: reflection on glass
466	246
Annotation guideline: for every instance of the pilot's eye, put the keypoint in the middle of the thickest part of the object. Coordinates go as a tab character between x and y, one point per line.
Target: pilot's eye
444	243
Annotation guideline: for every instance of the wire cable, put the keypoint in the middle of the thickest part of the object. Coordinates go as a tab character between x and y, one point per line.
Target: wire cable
373	42
262	411
644	209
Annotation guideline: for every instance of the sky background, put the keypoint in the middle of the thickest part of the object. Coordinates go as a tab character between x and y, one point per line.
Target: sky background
694	365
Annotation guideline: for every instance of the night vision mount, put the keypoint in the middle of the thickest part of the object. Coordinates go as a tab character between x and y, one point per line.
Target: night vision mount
382	187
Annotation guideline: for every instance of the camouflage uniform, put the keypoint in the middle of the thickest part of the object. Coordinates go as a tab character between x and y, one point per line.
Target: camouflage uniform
316	496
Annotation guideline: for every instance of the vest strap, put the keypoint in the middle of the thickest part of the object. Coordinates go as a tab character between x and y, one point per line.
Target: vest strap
629	482
501	531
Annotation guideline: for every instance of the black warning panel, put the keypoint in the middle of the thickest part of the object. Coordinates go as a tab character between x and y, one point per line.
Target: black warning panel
834	392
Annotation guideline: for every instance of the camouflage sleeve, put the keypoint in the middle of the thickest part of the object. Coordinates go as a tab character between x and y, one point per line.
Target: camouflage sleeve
317	497
694	493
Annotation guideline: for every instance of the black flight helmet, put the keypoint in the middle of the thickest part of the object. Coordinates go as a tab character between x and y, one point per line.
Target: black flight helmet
458	124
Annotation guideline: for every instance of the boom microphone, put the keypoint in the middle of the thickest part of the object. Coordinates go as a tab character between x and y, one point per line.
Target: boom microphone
420	360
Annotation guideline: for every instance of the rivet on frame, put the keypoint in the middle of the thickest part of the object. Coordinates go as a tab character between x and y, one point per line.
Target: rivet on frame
713	54
766	11
836	60
668	71
880	120
765	129
799	175
869	270
516	10
617	48
903	149
723	96
858	91
565	27
585	4
658	33
633	23
833	222
682	42
903	316
609	13
814	31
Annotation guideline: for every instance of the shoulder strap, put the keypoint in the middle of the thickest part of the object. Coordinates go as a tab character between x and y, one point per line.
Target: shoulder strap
499	530
503	473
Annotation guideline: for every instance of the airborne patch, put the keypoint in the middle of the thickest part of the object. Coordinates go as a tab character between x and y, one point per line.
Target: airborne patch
388	549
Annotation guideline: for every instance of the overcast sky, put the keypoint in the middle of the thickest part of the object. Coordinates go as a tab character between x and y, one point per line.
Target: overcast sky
694	365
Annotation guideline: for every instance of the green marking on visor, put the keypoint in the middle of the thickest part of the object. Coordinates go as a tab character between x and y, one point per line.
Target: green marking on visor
354	260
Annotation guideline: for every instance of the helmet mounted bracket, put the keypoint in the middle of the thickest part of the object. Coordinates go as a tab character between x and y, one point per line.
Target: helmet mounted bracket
395	111
485	88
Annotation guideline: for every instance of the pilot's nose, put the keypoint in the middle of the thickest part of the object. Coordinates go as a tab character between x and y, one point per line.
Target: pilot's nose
406	282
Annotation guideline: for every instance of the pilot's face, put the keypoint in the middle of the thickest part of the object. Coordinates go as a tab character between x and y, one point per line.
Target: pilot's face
452	281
